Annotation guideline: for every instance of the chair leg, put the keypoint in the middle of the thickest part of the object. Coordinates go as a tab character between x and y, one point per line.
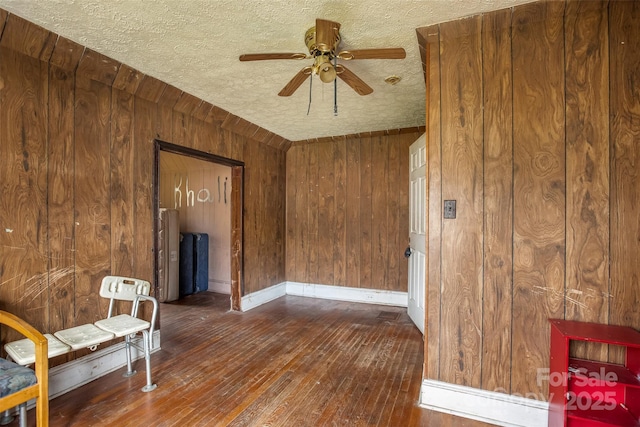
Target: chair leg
147	358
127	348
23	414
6	418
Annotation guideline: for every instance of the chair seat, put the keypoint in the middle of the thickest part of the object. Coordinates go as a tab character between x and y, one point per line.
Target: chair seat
23	352
14	377
83	336
123	324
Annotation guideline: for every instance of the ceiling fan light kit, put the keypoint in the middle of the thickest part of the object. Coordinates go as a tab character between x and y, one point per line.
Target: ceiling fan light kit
322	41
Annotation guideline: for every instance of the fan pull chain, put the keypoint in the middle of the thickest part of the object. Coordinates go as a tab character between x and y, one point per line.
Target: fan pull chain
310	83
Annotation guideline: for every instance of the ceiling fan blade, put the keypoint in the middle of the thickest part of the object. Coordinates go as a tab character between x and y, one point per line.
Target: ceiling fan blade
326	34
352	80
295	82
388	53
263	56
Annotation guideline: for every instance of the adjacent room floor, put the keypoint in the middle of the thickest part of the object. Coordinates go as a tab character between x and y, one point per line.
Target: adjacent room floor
292	362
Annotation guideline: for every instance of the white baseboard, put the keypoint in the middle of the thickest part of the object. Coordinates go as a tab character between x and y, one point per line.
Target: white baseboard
219	287
342	293
488	406
78	372
339	293
263	296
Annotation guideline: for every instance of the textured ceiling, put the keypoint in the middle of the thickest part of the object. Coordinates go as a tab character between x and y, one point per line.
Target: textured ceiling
194	45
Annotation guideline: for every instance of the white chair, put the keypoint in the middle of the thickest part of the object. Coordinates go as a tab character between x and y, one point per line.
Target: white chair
118	288
115	288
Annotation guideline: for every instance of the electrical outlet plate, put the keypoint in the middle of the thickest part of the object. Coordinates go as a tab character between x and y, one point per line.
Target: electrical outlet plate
449	209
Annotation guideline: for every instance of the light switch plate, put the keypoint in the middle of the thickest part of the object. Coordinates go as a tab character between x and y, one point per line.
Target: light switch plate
449	209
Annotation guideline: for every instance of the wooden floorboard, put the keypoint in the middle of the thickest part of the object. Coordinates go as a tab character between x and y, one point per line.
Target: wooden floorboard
292	362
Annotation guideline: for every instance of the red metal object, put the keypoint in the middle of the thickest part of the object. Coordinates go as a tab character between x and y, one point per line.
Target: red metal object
588	393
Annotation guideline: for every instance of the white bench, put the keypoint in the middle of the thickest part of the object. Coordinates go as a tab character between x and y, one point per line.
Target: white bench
115	288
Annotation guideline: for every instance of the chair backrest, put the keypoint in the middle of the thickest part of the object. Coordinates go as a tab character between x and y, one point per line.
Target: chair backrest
123	288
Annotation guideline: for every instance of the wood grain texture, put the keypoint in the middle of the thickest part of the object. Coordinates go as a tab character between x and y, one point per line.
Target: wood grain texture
96	66
366	208
237	238
66	54
587	159
80	176
434	197
27	38
23	199
301	204
92	196
3	19
624	29
462	265
128	79
379	213
397	236
339	161
322	215
146	124
252	219
317	214
539	187
498	201
352	213
346	201
150	89
122	184
60	221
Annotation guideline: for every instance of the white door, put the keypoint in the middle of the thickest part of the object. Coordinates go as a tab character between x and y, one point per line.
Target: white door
417	230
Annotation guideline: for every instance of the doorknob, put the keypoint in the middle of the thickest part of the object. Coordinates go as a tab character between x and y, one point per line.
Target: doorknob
407	252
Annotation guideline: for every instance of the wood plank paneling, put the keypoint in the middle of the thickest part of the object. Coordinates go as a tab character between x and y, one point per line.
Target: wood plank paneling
291	212
434	197
23	199
366	207
347	199
379	206
317	213
66	55
60	221
301	203
587	159
80	175
461	311
402	211
539	187
498	201
322	216
352	213
339	225
146	124
557	85
624	30
252	218
92	195
122	184
237	264
25	37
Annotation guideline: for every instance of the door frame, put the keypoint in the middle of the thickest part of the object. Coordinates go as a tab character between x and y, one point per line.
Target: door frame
237	203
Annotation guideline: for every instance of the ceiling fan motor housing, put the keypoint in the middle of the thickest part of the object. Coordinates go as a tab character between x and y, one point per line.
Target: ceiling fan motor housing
321	48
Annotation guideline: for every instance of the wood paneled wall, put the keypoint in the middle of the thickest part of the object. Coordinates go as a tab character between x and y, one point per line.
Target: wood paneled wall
347	210
534	128
77	136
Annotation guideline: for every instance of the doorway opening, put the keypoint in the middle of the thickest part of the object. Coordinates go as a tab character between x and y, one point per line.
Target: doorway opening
204	193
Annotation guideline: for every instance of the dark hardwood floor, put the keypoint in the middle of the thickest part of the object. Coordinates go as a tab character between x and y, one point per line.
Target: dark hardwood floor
292	362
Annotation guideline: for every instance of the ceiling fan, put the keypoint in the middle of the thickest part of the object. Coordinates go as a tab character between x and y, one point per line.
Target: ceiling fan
323	41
